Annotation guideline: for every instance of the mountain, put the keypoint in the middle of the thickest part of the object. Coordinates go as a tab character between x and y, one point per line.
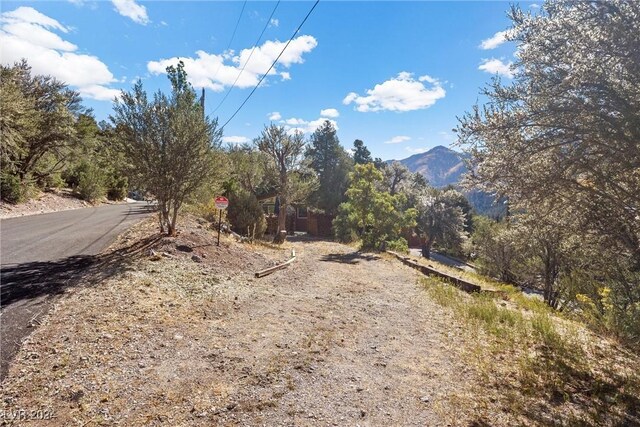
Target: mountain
440	166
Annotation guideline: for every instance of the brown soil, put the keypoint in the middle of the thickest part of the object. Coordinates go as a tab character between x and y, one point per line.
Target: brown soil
53	201
187	336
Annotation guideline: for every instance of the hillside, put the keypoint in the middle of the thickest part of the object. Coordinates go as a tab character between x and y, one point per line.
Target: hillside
440	165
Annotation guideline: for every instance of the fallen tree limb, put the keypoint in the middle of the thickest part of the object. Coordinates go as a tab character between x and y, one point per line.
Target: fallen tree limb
270	270
428	271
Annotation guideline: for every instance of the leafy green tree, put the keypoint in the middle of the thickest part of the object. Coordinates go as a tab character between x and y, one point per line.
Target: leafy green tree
332	165
369	213
495	248
440	220
245	214
361	154
564	133
249	170
285	157
37	123
395	175
169	142
565	129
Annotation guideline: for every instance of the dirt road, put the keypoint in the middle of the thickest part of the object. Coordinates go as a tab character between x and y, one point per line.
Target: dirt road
340	338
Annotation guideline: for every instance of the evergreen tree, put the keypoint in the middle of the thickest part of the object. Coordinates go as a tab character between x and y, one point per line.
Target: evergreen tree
332	165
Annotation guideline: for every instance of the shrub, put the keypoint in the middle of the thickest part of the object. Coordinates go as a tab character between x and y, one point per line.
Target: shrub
245	214
342	227
399	245
118	188
11	190
71	176
91	184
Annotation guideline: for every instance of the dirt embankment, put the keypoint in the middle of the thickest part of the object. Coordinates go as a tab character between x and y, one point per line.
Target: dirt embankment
58	200
339	338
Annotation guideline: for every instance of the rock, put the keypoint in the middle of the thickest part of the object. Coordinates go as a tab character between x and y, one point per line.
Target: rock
196	258
425	399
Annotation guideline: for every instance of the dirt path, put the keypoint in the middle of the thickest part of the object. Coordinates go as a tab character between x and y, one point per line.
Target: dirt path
340	338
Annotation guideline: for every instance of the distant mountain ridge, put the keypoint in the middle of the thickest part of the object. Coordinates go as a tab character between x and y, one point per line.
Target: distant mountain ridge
441	166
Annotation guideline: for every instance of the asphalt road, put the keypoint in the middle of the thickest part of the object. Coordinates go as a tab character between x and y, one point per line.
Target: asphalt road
42	255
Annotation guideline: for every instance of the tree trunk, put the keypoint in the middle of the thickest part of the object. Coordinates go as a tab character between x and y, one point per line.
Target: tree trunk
426	248
280	237
174	220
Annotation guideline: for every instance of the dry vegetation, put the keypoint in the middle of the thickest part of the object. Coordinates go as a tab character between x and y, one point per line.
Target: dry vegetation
184	335
546	369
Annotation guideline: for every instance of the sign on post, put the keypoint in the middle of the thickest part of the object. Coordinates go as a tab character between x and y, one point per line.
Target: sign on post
221	204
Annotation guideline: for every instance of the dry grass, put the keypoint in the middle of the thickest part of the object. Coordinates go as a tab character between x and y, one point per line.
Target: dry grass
541	368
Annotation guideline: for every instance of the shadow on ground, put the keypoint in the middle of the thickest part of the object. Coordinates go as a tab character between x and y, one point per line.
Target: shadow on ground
35	279
350	258
28	290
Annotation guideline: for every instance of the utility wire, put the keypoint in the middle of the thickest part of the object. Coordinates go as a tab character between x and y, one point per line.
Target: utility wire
233	35
272	65
248	59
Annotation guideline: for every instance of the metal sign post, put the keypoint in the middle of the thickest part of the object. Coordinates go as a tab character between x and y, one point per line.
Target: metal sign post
221	204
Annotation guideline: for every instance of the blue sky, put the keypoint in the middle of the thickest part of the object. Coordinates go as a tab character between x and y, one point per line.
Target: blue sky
394	74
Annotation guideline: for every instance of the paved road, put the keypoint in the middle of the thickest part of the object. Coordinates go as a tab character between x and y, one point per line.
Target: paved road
441	258
42	255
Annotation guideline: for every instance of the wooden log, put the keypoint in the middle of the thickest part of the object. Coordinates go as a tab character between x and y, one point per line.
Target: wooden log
429	271
270	270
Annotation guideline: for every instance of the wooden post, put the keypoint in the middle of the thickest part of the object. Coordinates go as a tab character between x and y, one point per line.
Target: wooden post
219	226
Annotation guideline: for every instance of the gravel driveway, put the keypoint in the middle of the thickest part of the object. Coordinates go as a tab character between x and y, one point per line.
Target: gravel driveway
339	338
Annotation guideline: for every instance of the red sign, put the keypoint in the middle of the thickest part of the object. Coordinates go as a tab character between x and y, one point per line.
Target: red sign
221	202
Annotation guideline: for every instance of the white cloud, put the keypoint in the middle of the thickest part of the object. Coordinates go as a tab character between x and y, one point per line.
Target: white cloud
300	125
32	16
274	116
496	66
101	93
27	33
401	93
330	112
534	6
38	35
235	139
416	150
275	22
215	71
398	139
493	42
133	10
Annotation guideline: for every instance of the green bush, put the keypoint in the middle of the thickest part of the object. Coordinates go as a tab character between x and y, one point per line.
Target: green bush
91	184
399	245
118	188
11	190
245	213
71	176
342	227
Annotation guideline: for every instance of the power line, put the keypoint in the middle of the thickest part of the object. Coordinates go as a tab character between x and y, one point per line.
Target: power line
248	59
272	65
233	35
